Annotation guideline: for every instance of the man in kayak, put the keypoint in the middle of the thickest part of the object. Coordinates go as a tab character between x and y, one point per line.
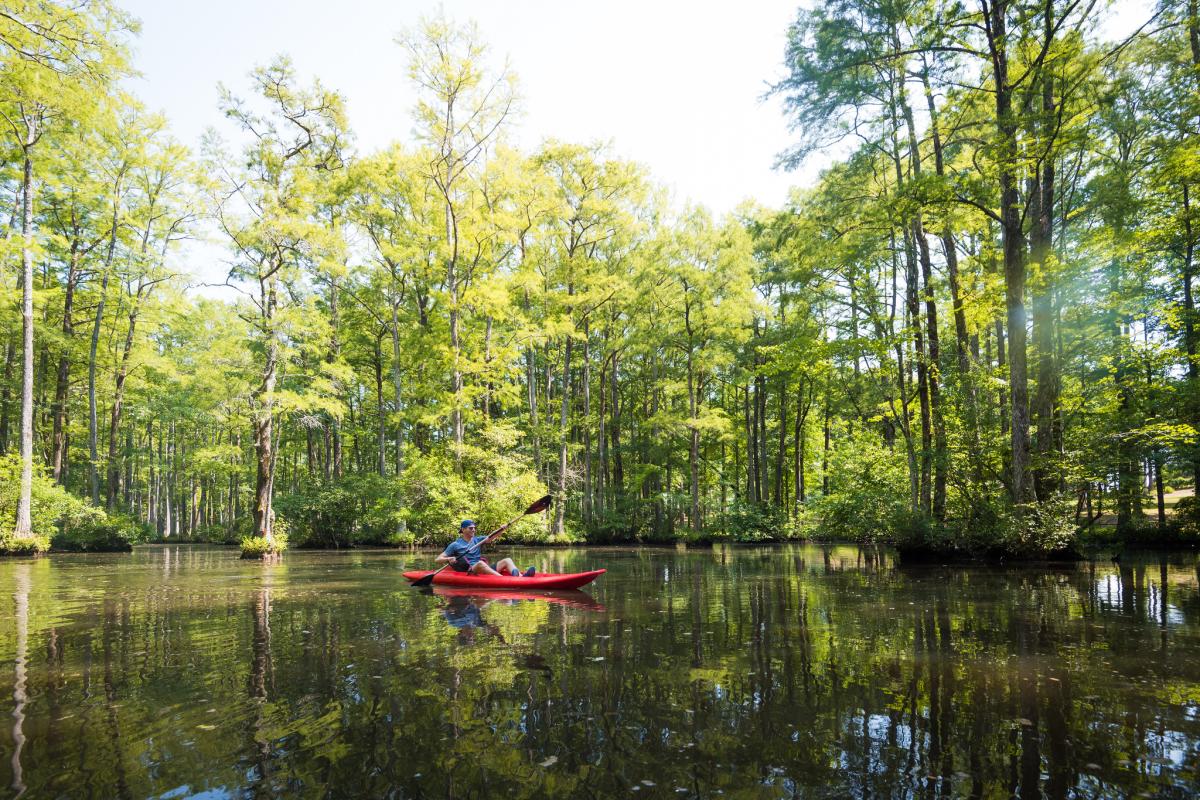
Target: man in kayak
463	555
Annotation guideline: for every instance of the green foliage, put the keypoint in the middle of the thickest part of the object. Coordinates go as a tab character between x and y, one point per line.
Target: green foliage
55	511
1187	517
109	534
1182	529
12	545
260	547
869	499
752	522
997	529
451	335
358	509
493	490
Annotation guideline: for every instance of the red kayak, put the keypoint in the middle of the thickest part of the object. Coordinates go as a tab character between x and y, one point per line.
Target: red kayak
543	580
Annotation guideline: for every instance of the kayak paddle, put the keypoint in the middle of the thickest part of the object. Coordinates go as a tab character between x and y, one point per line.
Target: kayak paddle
540	505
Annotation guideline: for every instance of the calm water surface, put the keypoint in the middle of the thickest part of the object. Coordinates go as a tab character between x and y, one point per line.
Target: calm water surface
738	673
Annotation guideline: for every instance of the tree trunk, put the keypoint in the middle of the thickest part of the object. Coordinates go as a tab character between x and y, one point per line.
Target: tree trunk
933	366
588	487
760	414
618	479
531	393
93	425
751	452
1021	486
1041	201
24	522
912	284
781	451
10	353
59	458
560	506
396	393
1189	321
693	444
381	433
1159	490
264	516
825	451
335	352
114	426
949	252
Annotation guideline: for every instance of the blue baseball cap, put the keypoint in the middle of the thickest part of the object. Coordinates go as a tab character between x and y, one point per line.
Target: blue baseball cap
466	523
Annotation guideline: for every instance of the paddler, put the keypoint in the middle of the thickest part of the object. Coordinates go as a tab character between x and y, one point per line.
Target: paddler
463	555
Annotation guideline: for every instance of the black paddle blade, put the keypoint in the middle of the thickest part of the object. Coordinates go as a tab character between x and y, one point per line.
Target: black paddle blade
424	580
539	506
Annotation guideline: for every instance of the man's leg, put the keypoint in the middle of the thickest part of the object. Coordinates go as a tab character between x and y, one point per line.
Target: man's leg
507	567
482	568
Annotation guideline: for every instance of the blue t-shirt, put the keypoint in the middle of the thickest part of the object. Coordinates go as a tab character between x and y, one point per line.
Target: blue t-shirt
468	550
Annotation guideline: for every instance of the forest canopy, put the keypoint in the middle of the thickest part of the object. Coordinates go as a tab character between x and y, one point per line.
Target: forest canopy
974	333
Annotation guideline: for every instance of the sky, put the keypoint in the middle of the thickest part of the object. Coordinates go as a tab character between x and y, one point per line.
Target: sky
676	85
673	85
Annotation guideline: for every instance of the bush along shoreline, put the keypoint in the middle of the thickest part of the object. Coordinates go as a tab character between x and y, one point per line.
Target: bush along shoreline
61	522
370	511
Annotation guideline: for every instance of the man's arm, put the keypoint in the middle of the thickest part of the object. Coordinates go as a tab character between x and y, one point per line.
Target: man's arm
494	535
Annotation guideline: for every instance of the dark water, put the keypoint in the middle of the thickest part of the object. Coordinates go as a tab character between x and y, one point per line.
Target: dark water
748	673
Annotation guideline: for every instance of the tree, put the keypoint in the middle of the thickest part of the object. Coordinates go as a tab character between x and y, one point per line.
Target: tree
59	59
461	112
267	211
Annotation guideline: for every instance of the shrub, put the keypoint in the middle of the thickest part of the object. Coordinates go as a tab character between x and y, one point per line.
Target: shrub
492	490
354	509
993	526
1187	517
52	507
222	534
869	497
752	522
1182	528
109	534
27	546
259	547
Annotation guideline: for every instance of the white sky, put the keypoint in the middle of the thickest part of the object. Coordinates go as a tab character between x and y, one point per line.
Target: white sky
672	84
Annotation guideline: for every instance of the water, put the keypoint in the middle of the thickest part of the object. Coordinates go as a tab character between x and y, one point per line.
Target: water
738	672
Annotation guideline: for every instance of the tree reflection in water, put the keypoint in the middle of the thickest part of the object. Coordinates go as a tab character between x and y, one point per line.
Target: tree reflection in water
21	584
756	672
261	683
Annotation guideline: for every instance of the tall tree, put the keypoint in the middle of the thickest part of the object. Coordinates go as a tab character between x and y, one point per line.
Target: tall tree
461	111
267	212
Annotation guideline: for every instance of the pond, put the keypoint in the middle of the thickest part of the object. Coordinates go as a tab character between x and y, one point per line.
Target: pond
749	672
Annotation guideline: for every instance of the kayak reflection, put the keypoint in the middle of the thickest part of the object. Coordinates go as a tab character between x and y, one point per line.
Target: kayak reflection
572	598
463	610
